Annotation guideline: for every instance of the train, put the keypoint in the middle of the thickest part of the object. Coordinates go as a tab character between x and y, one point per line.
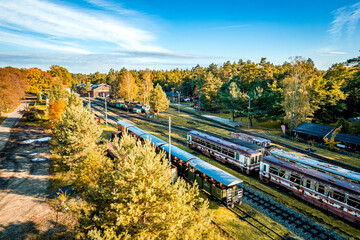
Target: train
252	139
240	157
221	185
338	196
330	192
335	171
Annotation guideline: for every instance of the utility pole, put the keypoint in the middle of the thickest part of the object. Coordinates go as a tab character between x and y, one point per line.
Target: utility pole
169	139
178	104
294	102
249	112
105	111
172	95
89	103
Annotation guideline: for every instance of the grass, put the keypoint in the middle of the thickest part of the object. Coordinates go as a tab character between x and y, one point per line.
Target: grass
313	213
106	134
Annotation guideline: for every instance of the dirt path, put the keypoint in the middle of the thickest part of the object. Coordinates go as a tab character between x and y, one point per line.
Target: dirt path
24	185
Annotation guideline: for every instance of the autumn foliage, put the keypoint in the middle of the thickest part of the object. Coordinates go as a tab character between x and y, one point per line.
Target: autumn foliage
56	110
39	81
12	87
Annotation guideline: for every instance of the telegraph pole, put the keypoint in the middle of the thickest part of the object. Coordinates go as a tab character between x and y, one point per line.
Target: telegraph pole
105	112
169	139
178	104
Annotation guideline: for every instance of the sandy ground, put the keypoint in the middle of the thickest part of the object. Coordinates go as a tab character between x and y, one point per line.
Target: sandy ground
24	185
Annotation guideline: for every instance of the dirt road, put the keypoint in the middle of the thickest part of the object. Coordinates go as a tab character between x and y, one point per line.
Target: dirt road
24	184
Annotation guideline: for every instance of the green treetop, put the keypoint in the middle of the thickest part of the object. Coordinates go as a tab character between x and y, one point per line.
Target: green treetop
75	134
135	198
158	100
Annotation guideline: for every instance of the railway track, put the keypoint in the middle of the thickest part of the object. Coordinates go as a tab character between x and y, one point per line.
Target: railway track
289	218
321	158
228	128
256	224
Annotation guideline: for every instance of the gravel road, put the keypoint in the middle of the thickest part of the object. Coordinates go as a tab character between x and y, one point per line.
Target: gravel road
24	183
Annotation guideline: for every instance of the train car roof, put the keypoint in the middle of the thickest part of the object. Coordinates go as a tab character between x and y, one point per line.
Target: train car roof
154	140
246	144
124	123
215	172
222	142
178	152
317	164
253	137
314	174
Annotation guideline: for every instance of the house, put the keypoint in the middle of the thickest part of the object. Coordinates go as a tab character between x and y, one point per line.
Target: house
173	97
97	90
317	132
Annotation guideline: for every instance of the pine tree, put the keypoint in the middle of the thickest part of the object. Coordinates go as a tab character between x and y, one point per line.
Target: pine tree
75	134
135	198
210	92
158	100
58	91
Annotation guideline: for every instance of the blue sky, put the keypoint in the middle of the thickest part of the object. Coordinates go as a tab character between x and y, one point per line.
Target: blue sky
96	35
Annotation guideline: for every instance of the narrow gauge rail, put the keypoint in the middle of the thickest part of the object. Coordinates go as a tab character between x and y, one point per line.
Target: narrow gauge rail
291	219
262	196
232	129
258	225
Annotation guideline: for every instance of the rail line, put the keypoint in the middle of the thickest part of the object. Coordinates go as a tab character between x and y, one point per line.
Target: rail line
321	158
289	218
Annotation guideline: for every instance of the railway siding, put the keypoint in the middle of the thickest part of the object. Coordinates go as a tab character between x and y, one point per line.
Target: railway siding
289	218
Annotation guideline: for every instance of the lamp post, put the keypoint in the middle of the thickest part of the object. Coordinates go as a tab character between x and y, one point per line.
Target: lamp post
169	139
105	111
249	112
178	103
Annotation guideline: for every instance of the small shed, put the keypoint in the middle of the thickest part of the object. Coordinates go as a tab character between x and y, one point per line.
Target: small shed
317	132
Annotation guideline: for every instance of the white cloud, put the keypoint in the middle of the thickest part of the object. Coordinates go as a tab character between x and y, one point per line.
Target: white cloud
42	20
333	53
346	17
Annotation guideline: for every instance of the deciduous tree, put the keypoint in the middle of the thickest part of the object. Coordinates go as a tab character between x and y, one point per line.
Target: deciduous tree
146	85
127	87
39	81
158	100
62	74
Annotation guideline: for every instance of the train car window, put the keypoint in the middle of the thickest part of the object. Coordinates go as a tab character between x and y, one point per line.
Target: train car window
295	178
339	196
237	156
202	142
307	183
321	189
231	154
282	173
225	151
218	148
353	202
212	146
274	171
252	160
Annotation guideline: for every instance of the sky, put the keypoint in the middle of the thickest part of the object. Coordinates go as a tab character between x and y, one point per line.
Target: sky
87	36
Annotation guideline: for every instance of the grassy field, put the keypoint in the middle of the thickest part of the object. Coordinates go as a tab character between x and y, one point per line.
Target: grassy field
317	215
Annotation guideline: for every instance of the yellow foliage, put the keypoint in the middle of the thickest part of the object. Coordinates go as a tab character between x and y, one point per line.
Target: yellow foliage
56	110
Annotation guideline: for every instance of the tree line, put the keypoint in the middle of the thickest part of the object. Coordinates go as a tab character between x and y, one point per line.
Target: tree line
292	92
